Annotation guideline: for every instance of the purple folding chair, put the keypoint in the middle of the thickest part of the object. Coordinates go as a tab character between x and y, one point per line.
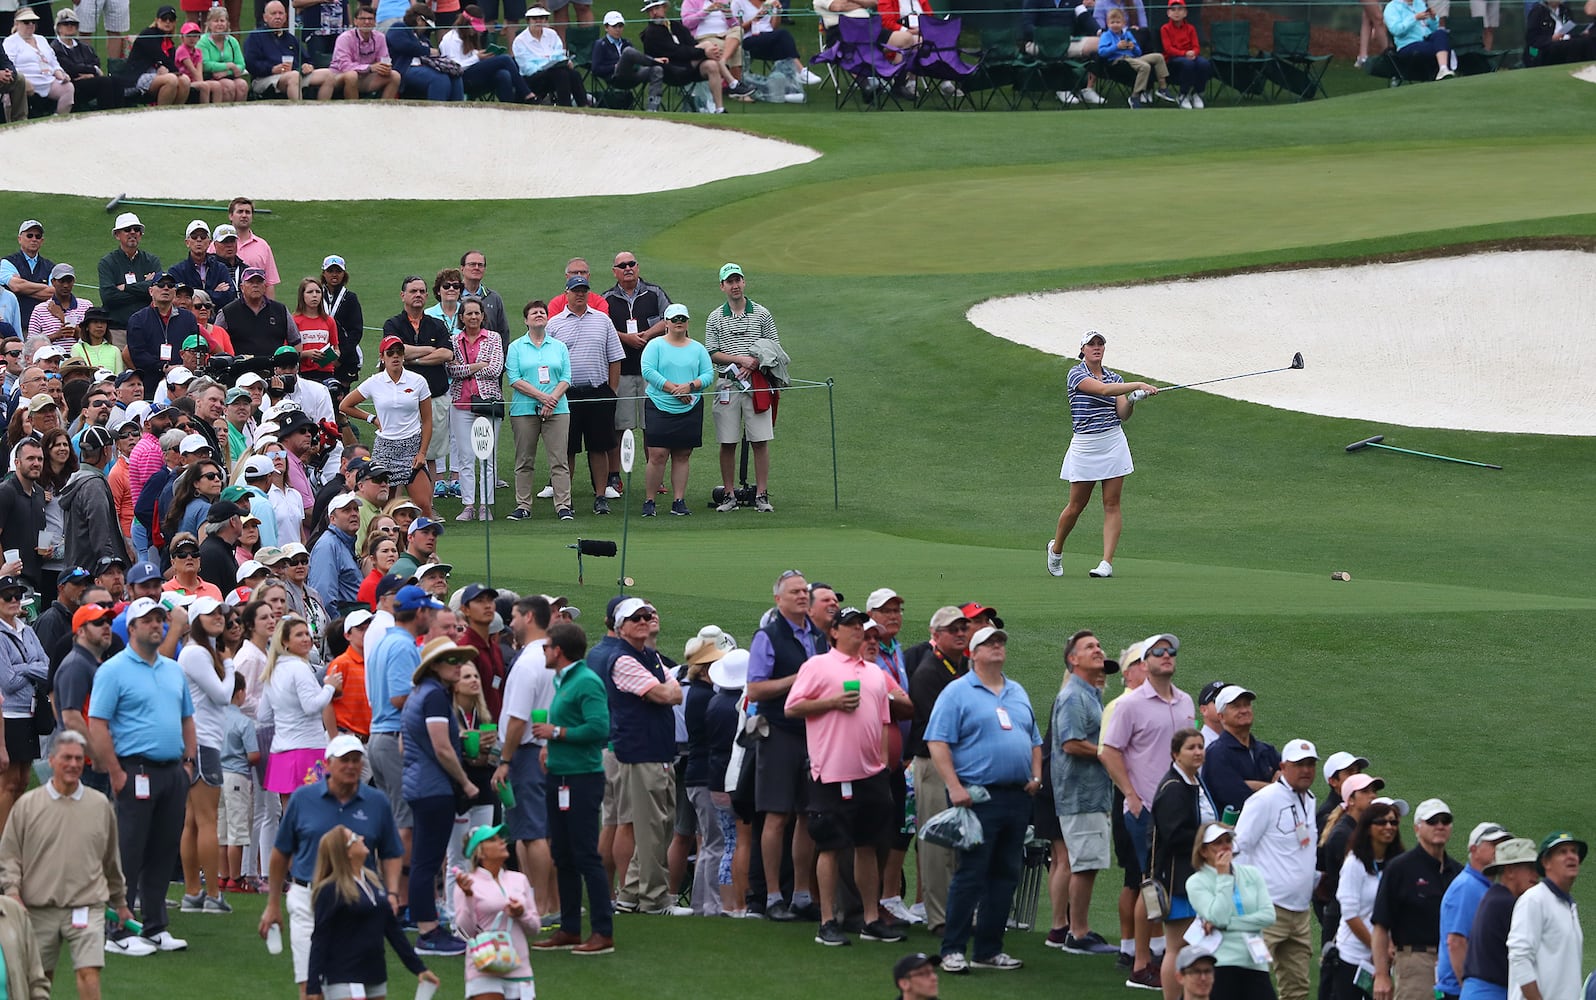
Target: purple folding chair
937	57
870	73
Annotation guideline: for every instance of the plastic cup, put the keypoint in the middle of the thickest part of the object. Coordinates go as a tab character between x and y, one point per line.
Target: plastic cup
425	990
274	939
850	685
13	555
540	715
488	727
472	741
507	795
1230	816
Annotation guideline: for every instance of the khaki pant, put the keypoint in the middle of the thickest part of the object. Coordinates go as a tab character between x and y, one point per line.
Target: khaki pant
552	431
52	925
649	791
1290	941
936	862
1147	63
1415	975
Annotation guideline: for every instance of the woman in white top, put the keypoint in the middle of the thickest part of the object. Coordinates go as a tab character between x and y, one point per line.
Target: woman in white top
765	38
259	619
22	663
35	61
210	686
403	420
300	707
1376	841
484	71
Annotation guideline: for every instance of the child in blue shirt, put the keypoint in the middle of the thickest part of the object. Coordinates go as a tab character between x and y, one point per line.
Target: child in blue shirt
240	755
1117	44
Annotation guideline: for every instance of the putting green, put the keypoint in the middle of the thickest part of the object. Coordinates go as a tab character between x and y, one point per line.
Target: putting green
1020	218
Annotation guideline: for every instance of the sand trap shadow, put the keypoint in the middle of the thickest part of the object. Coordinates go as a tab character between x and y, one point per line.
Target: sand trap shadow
339	152
1487	342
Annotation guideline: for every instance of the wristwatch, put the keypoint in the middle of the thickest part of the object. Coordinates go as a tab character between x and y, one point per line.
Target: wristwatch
559	732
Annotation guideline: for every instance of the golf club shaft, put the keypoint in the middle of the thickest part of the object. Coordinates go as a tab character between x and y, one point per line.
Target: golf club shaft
1439	458
1227	378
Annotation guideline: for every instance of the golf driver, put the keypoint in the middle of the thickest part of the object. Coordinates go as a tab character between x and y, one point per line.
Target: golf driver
123	199
1374	442
1296	364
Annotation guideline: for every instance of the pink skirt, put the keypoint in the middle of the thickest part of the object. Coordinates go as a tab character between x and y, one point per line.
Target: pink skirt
291	769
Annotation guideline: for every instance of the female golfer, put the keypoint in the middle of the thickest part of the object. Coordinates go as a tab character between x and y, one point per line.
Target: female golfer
403	420
1098	453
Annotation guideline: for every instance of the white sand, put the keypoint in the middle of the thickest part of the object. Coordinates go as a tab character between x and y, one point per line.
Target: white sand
1491	342
337	152
1588	74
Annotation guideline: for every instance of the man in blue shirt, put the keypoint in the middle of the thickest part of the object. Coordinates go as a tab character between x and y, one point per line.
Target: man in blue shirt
337	800
334	573
983	732
141	730
389	670
1458	904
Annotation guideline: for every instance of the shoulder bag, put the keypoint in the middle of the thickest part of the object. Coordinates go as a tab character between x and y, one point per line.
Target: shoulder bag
491	950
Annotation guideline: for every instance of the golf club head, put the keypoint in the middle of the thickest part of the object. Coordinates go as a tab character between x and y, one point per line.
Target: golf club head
1360	445
111	205
1296	360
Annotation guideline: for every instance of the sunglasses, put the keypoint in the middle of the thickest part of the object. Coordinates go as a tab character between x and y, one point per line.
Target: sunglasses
197	307
1441	820
642	616
11	595
788	574
52	376
132	229
211	475
1386	822
299	561
452	284
185	554
626	265
1161	651
13	354
166	284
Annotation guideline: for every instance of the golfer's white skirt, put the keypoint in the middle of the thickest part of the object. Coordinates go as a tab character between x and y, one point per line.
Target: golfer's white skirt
1093	458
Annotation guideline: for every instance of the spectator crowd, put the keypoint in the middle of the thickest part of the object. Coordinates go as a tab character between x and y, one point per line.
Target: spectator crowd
231	629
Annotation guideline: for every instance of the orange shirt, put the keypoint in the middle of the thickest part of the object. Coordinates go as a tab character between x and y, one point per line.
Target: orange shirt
350	707
203	590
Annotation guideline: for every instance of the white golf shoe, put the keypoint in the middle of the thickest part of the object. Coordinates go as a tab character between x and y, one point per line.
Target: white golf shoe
1055	560
1102	571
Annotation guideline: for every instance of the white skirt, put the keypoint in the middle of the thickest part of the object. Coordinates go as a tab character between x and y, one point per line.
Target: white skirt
1093	458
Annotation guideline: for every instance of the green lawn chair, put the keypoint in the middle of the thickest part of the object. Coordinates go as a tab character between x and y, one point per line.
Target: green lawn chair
1468	43
999	70
1051	70
1294	69
1235	64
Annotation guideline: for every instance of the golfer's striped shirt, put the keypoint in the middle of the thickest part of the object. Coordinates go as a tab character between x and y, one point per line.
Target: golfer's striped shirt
1091	414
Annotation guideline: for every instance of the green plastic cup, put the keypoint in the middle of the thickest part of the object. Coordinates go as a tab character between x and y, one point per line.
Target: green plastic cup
540	715
488	727
850	685
507	795
472	741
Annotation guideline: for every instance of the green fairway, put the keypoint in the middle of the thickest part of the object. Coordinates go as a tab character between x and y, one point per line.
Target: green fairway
1454	660
1009	218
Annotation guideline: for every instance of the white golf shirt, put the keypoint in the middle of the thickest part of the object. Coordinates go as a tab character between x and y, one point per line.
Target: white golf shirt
1276	835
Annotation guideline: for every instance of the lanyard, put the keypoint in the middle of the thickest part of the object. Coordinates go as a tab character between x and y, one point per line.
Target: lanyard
952	670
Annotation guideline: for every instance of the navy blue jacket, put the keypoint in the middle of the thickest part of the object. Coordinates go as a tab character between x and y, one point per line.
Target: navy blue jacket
145	335
1229	766
217	275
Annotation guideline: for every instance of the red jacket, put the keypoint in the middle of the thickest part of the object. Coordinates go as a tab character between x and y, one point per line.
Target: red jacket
891	20
1178	39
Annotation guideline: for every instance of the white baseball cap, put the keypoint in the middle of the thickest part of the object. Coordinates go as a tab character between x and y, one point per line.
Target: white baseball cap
203	605
344	744
1297	751
986	635
258	467
249	569
197	225
193	443
141	607
179	376
1230	694
1401	805
1488	832
613	17
628	608
248	379
1431	808
356	619
343	500
1340	761
879	597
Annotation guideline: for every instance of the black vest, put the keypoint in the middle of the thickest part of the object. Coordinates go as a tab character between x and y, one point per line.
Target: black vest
790	656
40	274
256	334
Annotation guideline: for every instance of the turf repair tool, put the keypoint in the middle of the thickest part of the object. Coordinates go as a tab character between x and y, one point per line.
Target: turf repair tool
1296	365
123	199
1374	442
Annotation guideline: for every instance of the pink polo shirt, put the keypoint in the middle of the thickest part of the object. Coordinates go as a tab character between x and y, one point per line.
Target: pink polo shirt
1142	726
843	746
256	252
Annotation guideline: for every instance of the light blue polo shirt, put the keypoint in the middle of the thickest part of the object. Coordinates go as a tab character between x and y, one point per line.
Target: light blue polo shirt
143	704
313	810
388	674
966	718
1458	904
523	364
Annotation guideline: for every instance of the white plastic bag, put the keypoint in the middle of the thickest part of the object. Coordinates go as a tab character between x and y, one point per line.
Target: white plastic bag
957	827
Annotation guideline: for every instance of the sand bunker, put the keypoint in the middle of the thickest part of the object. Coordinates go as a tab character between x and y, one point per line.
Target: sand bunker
339	152
1489	342
1588	74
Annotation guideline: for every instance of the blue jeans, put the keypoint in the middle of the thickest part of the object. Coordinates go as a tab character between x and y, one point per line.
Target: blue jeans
1140	830
498	74
434	823
1434	43
573	841
427	83
1191	75
987	875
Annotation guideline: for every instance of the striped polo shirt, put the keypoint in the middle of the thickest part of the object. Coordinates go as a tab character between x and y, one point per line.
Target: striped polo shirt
729	333
592	342
1091	414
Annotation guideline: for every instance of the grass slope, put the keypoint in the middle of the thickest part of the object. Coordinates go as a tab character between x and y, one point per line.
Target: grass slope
1465	582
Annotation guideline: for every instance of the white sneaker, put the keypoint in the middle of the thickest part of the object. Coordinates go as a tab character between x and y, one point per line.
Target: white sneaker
1000	961
1103	570
949	90
954	962
1444	72
1185	103
1055	560
546	493
166	942
809	79
1065	97
917	913
669	911
611	493
1197	101
130	946
796	98
895	907
1091	96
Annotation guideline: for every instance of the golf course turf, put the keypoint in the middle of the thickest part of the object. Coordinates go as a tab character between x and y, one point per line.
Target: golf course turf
1455	660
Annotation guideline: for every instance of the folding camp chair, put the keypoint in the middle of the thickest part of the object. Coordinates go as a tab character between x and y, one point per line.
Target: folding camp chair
1294	70
939	59
1235	65
869	72
1051	69
999	68
1468	43
1397	69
